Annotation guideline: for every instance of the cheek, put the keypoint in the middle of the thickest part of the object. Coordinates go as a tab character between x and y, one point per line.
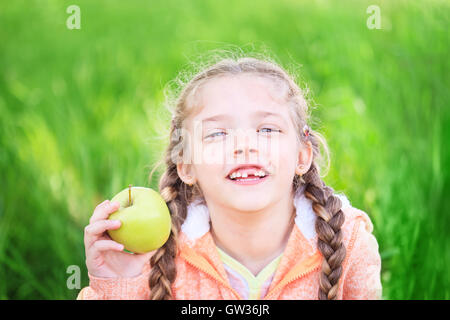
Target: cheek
213	153
281	151
210	177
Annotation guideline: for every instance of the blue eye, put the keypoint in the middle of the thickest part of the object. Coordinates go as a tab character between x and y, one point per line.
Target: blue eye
269	130
215	134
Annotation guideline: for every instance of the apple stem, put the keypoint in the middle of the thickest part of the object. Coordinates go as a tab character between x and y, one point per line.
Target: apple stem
129	195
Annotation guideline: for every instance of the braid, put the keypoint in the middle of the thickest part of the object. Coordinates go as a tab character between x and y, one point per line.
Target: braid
163	269
328	227
177	196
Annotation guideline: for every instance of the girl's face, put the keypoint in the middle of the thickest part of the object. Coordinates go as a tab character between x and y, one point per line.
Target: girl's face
243	126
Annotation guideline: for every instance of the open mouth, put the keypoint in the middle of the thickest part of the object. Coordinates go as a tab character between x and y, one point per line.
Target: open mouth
248	180
248	175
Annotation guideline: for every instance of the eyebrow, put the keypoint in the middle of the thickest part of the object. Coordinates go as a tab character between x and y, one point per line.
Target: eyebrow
259	114
217	118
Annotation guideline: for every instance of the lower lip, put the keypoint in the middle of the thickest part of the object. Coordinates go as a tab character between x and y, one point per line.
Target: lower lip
248	182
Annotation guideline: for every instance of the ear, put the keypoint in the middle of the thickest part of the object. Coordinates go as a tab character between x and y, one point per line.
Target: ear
186	173
305	156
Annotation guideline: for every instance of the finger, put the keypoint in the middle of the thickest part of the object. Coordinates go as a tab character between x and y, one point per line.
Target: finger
103	210
100	246
105	245
95	230
97	209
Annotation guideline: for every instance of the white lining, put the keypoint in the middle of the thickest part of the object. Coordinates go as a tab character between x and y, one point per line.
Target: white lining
197	221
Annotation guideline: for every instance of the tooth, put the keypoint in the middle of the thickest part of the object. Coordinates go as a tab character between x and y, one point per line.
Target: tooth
244	175
232	176
263	173
238	174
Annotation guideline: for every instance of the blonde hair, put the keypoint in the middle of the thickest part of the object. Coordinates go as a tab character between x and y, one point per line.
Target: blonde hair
179	195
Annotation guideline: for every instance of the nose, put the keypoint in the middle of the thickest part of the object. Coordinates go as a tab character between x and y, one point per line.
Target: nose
239	151
245	145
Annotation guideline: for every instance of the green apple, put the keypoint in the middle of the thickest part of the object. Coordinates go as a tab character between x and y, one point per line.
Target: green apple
145	218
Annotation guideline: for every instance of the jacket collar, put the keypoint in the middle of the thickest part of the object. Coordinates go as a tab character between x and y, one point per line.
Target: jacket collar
300	256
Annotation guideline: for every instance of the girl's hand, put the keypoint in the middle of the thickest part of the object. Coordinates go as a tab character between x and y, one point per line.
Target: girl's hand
104	257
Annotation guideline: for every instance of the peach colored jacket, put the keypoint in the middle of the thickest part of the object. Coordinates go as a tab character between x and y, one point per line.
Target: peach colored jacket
201	274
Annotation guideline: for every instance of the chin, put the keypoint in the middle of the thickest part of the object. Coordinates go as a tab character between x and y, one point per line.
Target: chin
249	205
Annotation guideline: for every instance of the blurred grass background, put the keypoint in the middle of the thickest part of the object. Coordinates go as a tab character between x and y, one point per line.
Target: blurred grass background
81	117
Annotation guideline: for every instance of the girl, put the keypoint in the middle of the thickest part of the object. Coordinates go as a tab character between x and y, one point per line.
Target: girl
251	217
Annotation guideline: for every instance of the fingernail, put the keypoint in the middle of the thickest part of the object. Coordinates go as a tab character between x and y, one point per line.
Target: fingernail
111	207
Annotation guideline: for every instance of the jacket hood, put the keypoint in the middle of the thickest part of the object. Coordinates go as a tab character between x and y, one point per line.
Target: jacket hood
197	222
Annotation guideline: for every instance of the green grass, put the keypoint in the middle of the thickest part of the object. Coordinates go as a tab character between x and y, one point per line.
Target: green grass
82	117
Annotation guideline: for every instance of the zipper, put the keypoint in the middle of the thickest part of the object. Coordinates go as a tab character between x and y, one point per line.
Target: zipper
301	275
187	259
314	268
298	276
